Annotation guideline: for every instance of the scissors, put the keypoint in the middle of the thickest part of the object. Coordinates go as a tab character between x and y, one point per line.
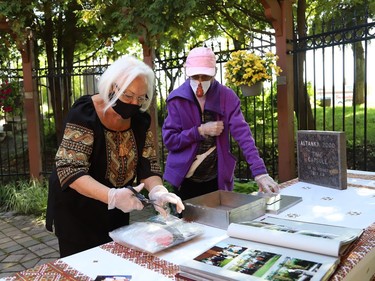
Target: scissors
145	201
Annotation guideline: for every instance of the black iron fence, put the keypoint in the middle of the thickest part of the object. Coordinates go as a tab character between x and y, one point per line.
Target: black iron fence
13	136
331	104
258	111
336	90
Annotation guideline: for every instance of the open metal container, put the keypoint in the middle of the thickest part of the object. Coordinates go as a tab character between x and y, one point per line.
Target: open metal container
220	208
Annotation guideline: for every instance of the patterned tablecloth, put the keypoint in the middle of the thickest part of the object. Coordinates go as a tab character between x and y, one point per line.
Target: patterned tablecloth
366	243
360	249
59	270
53	271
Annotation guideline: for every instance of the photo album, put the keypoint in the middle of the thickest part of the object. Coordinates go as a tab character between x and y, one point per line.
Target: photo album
273	249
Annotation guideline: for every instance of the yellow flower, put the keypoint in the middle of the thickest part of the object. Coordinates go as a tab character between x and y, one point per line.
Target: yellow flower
246	68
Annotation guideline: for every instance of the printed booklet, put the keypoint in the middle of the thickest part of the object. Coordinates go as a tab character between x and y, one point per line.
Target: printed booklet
273	249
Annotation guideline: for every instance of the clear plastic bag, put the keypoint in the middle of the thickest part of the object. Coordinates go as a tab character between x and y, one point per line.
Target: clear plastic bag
156	234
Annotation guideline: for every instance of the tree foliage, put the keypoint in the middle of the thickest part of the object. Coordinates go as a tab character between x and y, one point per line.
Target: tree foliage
327	14
87	26
338	14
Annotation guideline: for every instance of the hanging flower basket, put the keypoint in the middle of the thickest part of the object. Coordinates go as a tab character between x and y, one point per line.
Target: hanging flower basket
246	69
250	91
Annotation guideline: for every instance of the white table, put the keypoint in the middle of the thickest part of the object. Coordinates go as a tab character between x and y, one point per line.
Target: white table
353	207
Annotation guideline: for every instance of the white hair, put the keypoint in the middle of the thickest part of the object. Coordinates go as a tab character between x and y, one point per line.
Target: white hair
122	72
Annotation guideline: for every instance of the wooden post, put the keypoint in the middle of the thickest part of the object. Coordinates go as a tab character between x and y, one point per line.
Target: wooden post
280	15
31	110
148	58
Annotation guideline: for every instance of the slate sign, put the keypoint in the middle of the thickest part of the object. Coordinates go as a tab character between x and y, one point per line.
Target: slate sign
322	158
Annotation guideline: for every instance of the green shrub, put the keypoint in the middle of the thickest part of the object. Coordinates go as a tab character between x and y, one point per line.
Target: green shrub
27	197
246	187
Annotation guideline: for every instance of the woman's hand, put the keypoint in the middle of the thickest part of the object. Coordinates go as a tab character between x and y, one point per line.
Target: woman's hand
212	128
124	199
266	184
162	196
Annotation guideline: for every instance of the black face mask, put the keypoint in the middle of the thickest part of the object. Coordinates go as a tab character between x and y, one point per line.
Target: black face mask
126	110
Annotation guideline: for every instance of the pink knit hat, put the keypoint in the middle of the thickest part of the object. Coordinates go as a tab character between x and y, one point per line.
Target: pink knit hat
202	61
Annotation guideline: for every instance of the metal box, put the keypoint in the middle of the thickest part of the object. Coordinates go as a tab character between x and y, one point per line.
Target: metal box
220	208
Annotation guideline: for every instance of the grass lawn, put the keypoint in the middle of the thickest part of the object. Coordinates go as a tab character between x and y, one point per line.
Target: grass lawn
358	127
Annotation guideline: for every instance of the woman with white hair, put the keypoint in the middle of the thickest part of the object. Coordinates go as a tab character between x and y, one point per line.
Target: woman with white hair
107	145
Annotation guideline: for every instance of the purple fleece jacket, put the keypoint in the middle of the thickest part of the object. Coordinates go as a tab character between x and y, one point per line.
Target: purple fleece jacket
181	136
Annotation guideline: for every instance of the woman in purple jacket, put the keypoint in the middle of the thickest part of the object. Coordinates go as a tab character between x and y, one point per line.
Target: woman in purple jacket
202	114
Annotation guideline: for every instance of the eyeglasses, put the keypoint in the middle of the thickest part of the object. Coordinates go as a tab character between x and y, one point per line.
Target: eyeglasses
129	97
201	77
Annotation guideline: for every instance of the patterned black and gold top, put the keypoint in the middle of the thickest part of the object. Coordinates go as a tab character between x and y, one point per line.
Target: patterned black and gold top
115	159
121	154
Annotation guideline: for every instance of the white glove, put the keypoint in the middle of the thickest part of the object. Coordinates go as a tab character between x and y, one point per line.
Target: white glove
212	128
161	196
124	199
266	184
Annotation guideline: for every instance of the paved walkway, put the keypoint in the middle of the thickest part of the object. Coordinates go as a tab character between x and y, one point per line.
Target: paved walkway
25	243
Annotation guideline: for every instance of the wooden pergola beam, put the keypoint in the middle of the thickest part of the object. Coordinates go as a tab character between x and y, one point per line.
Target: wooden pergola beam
279	13
31	107
272	11
148	58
